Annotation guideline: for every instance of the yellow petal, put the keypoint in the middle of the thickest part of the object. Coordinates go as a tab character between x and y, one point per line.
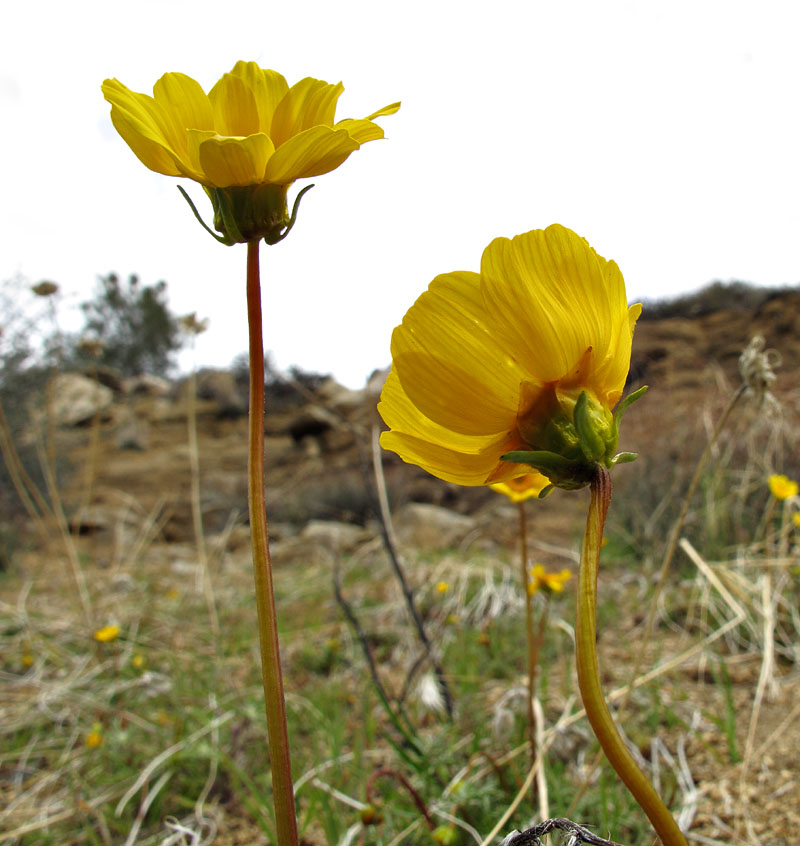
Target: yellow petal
235	110
442	462
234	161
401	415
268	88
310	102
546	294
452	369
524	487
608	380
151	153
141	123
311	153
361	130
185	106
386	110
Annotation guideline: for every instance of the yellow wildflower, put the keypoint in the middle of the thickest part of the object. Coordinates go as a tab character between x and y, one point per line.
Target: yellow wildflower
796	519
138	661
246	141
514	367
27	660
540	579
94	739
107	634
782	487
442	587
522	487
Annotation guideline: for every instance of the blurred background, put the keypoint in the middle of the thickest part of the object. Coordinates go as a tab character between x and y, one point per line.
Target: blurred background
664	133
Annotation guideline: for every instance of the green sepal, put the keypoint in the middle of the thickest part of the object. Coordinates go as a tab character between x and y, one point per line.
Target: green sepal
202	222
272	239
624	458
224	212
624	404
542	460
562	472
546	491
592	444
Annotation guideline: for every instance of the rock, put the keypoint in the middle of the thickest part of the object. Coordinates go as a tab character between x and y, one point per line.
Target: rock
341	537
133	433
220	386
311	421
376	382
76	399
146	385
103	517
427	526
335	396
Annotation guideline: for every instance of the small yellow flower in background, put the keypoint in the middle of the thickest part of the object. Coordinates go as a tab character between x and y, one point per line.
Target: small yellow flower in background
27	660
516	367
94	739
442	587
782	487
107	634
246	141
796	519
522	487
138	661
172	593
540	579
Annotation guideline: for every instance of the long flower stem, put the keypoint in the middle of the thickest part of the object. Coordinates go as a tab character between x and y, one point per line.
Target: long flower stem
283	791
589	677
530	637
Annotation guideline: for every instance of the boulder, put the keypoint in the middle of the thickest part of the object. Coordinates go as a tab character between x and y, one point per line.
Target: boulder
341	537
76	399
220	386
426	526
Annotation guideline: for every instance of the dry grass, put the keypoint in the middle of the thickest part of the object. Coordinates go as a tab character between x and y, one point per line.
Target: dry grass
713	716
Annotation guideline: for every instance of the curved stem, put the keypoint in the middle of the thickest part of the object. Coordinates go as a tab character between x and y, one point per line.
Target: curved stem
280	763
589	677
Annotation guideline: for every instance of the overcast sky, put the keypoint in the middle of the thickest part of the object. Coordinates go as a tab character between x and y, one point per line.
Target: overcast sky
666	133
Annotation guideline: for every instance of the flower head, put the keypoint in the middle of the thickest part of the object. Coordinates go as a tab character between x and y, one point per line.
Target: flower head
540	579
522	487
246	141
94	739
782	487
107	634
442	587
515	367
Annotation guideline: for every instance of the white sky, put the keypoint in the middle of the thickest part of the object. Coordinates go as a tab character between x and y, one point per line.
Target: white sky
666	133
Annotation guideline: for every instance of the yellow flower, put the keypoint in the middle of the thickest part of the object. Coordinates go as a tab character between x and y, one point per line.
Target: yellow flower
796	519
246	141
540	579
106	634
27	660
94	739
522	487
138	661
514	367
442	587
782	487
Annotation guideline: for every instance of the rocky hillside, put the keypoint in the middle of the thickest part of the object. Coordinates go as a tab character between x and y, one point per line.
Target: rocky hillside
319	450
